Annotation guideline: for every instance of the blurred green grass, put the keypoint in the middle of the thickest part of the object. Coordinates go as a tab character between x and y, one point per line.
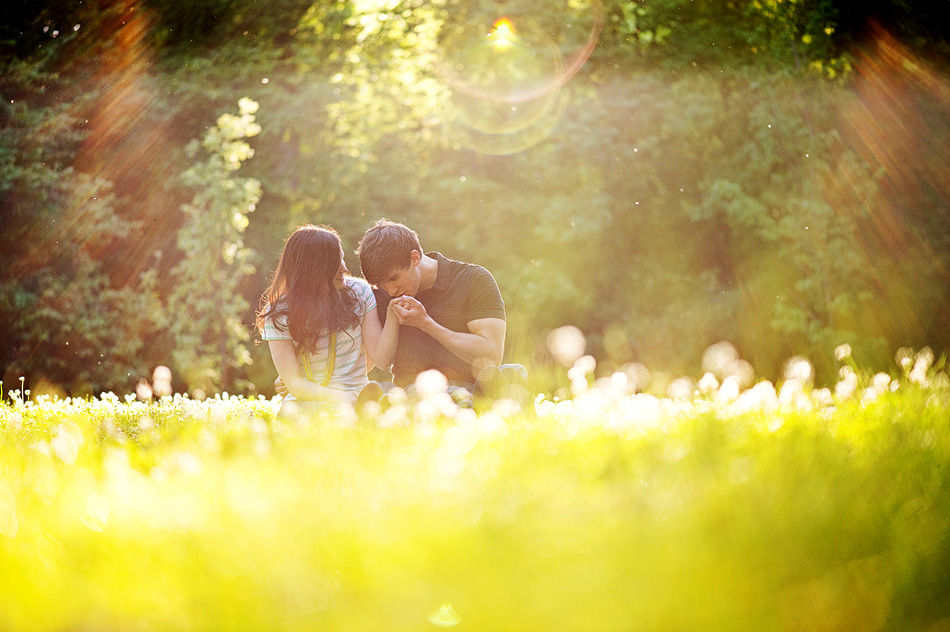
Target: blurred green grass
598	513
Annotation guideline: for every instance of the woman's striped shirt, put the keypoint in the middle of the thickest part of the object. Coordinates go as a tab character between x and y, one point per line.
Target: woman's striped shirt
348	358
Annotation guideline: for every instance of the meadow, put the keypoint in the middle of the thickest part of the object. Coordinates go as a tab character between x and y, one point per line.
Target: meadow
714	505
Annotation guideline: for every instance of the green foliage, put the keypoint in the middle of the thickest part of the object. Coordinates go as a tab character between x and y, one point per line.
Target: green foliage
205	308
798	33
74	332
63	320
607	511
387	82
645	212
805	198
632	25
193	28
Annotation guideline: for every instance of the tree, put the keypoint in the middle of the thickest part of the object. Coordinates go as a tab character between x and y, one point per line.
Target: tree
62	320
205	308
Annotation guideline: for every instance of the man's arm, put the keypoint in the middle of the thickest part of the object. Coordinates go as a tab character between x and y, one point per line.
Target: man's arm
483	345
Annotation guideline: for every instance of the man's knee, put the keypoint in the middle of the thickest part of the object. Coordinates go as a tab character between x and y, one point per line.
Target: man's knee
514	372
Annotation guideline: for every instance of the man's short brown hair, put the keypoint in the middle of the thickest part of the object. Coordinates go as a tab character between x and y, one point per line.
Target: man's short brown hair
386	248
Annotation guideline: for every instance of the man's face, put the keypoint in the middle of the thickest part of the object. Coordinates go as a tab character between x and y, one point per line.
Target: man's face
403	282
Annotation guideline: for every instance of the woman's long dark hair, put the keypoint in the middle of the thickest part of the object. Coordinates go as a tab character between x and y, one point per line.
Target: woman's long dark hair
301	297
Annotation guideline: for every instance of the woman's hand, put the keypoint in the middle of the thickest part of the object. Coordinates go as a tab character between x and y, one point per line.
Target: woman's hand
284	355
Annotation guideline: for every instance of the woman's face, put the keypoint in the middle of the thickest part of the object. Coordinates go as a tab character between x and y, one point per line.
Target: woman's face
338	282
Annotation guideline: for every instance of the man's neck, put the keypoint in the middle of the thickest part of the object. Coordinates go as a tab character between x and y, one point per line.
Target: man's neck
428	271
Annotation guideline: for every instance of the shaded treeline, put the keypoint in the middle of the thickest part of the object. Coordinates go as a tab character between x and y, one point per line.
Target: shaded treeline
767	173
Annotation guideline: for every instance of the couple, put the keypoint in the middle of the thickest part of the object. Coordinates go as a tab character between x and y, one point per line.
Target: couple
431	313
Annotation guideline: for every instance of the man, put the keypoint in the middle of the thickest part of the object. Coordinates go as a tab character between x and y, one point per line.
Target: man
451	315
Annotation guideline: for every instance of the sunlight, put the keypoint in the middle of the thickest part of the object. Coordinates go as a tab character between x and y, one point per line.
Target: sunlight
895	123
514	64
127	137
502	34
508	86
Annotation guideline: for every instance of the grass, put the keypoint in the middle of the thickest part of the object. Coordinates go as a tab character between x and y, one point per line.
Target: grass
797	510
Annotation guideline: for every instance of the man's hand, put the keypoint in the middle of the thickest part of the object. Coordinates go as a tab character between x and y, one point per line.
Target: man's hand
281	388
482	344
409	311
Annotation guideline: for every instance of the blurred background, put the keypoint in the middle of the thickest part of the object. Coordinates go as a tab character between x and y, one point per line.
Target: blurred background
661	174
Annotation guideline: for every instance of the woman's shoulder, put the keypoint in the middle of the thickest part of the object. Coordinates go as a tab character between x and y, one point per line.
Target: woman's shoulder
360	286
278	309
363	292
276	321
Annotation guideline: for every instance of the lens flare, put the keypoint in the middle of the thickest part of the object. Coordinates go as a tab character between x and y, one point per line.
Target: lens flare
502	34
507	71
498	132
522	54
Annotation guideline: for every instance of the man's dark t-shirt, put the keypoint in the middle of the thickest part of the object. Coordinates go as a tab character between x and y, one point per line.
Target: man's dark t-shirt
462	292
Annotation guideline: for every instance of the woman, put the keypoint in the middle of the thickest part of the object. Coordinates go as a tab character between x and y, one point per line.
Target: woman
319	321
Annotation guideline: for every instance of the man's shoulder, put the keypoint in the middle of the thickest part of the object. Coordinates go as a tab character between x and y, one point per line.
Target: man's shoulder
472	285
455	269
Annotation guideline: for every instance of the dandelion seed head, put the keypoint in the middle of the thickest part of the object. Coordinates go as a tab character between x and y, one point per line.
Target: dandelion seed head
790	388
847	386
162	381
15	420
681	388
881	382
923	360
823	397
619	379
792	395
708	383
918	374
925	356
904	358
730	389
614	386
585	364
566	344
430	383
143	391
718	357
743	370
638	376
799	368
762	396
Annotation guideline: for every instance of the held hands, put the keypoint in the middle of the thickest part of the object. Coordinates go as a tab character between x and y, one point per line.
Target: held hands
329	394
408	311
